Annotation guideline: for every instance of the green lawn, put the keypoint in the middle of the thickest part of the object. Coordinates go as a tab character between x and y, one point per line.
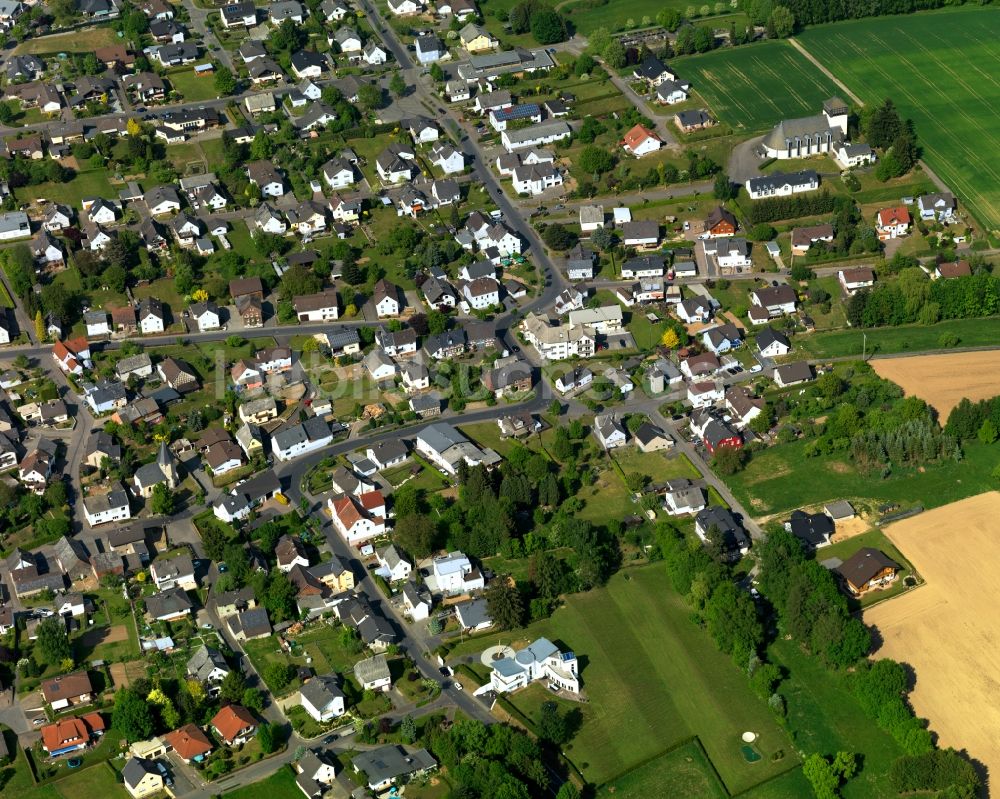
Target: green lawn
191	87
935	67
653	680
87	183
782	478
686	769
77	41
905	338
657	466
753	88
98	781
587	16
824	716
280	785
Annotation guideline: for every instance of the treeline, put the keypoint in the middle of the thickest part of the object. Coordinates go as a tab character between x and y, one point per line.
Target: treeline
914	442
944	772
773	209
815	12
869	418
810	606
728	613
969	419
913	298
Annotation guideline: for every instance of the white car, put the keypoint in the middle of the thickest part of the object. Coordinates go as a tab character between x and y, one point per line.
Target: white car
756	368
457	686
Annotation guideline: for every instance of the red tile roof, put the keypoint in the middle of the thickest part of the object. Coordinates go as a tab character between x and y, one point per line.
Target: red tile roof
894	216
232	720
637	136
189	741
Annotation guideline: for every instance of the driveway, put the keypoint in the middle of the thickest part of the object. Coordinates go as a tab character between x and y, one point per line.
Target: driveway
744	163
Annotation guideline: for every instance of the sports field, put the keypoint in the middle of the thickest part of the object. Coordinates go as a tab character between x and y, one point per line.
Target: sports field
653	680
753	88
940	70
947	629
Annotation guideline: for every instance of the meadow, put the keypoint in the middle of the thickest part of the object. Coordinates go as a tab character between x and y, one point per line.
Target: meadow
753	88
654	680
783	477
936	68
848	342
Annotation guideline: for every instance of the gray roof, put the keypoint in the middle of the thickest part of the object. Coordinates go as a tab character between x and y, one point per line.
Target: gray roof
321	690
803	127
136	769
252	622
168	602
372	669
473	613
776	180
390	762
204	661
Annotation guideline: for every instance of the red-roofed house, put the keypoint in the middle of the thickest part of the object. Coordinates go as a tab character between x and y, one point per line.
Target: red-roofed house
72	355
373	502
892	222
71	734
640	141
189	742
356	524
234	724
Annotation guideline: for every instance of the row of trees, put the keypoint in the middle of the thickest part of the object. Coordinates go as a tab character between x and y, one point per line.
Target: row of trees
913	298
885	129
773	209
814	12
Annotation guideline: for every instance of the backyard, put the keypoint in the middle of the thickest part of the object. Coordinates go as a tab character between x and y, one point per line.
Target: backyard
646	668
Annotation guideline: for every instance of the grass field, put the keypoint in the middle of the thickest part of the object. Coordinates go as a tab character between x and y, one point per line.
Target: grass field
782	478
77	41
688	769
823	716
88	183
935	67
905	338
957	550
280	785
753	88
191	86
943	380
654	679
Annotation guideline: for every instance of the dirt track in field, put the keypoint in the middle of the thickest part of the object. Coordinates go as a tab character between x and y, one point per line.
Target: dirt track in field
943	380
948	630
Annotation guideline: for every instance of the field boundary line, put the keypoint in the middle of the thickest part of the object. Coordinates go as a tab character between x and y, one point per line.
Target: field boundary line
815	62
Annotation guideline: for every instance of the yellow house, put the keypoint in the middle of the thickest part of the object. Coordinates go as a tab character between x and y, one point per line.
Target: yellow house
475	39
142	778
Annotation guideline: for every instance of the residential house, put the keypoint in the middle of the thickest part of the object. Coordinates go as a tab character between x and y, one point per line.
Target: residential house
681	496
373	673
720	222
891	223
856	278
299	439
609	432
391	565
539	661
772	343
250	624
429	48
142	778
866	570
781	184
473	615
812	529
791	374
743	406
322	698
189	742
937	207
205	315
643	234
803	238
392	764
234	725
68	690
640	141
265	177
692	120
718	525
72	734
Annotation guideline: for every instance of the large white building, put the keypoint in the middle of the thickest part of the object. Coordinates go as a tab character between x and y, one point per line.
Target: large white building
799	138
558	342
540	660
